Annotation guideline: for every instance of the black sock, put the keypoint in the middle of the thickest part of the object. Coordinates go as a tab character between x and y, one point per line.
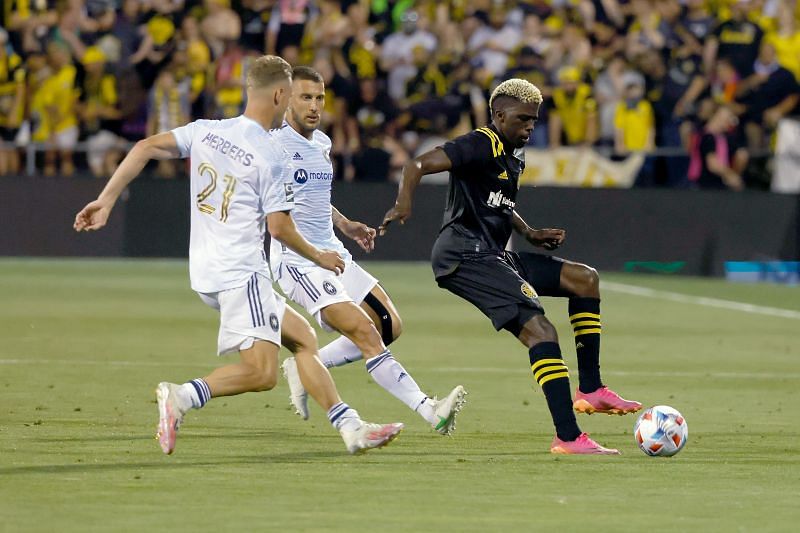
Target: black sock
584	314
552	376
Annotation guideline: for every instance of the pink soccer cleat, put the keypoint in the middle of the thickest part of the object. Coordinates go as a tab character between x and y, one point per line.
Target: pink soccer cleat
583	445
170	416
369	436
603	400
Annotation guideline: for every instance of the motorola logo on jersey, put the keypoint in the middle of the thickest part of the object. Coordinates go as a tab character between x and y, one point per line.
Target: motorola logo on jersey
496	199
300	176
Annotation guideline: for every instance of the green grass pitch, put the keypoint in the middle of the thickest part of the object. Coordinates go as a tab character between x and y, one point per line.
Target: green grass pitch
83	344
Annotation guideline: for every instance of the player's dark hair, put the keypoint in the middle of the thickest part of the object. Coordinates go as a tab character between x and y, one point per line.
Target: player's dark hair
306	73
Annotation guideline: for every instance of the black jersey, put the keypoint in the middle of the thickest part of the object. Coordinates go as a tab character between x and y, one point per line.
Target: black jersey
484	180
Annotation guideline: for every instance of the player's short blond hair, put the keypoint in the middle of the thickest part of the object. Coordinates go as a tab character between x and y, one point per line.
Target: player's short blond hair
522	90
267	70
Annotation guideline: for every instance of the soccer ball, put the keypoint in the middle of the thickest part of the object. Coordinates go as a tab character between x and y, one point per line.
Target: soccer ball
661	431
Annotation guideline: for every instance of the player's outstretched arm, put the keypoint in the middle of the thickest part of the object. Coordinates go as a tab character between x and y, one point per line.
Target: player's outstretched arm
430	162
548	238
358	231
282	227
95	214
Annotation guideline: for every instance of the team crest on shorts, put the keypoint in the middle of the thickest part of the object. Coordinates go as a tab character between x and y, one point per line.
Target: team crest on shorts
528	291
329	288
273	322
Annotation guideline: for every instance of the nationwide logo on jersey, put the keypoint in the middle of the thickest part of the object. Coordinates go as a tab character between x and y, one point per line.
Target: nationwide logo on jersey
300	176
528	291
496	199
297	157
503	176
273	322
329	288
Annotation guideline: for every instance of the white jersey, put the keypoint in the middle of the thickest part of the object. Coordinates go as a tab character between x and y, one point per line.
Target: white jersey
239	174
312	177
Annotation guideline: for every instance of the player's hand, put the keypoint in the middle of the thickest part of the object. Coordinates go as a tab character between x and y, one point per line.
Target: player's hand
549	238
330	260
399	213
92	217
361	233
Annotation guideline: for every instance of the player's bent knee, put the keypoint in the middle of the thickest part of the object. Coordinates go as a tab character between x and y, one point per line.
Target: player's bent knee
306	340
538	329
591	276
366	337
265	380
582	280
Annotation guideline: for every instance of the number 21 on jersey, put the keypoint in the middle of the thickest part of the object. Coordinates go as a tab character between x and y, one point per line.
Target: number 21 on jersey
206	169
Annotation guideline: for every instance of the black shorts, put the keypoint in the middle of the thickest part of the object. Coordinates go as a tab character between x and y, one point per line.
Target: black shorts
506	288
8	134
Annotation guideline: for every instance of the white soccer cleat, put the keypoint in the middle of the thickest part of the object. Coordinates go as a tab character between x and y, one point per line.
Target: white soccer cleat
370	436
297	393
446	410
170	416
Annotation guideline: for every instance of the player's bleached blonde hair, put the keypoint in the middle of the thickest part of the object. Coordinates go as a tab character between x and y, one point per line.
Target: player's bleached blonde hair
267	70
522	90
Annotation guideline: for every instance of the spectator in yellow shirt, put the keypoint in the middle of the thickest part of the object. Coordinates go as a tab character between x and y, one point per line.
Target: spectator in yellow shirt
634	125
12	104
59	102
574	117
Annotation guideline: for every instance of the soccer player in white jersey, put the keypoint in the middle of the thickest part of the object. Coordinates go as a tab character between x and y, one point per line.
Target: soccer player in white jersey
239	180
353	303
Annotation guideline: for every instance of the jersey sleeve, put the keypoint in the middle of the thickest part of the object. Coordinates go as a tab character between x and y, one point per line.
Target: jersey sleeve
474	147
183	138
276	191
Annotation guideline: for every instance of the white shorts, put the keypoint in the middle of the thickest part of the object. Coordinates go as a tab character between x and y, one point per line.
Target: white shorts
315	288
253	311
67	139
98	144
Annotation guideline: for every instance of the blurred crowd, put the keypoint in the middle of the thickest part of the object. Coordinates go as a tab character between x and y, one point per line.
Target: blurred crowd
708	78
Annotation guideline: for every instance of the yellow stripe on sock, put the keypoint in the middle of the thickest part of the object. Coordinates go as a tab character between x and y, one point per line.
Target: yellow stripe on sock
584	315
587	331
535	366
553	376
546	369
586	323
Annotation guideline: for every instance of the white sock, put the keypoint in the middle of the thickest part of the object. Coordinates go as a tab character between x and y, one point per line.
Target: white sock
193	394
390	374
339	352
343	417
425	410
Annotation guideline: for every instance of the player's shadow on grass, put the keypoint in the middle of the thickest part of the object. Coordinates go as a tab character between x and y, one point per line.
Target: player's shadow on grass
256	434
169	464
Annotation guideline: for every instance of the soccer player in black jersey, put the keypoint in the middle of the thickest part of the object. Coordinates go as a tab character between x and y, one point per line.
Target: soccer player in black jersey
470	260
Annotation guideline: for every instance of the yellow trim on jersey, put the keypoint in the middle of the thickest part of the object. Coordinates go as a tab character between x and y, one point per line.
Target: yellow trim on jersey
497	145
553	376
545	370
587	331
584	315
496	138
